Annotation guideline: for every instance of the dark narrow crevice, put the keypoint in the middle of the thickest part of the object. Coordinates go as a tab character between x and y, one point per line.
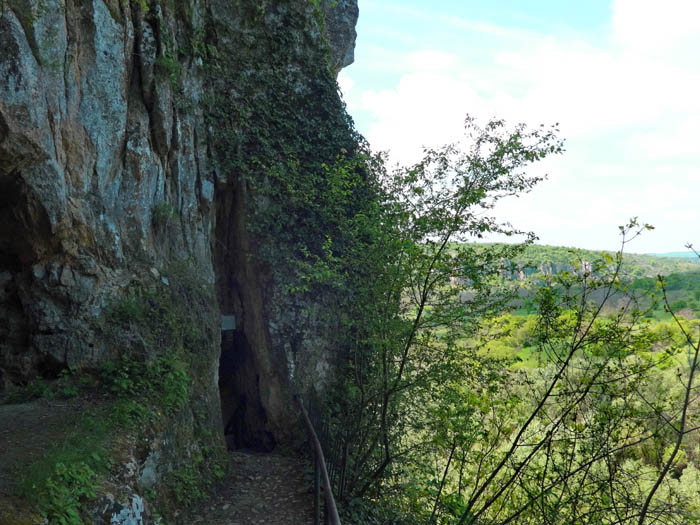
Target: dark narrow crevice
245	420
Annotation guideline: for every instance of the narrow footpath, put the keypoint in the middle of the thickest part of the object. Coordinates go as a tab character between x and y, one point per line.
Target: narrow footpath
27	431
274	489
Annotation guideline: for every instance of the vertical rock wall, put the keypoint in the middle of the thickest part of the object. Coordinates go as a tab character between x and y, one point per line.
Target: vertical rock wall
104	167
108	173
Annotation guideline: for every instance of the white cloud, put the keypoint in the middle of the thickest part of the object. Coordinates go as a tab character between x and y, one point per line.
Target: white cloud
345	82
664	30
630	111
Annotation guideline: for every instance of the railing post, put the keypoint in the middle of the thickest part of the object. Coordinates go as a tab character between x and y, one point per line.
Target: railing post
317	492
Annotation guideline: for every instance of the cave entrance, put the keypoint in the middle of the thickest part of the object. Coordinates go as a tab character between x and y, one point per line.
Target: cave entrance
243	416
25	238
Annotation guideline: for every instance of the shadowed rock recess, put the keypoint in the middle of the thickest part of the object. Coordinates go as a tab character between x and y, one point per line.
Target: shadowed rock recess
137	138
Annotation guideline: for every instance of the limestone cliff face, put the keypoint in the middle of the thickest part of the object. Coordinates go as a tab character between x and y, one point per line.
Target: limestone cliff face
92	146
109	172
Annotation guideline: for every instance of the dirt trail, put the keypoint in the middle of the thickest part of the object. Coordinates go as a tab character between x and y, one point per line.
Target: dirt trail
274	489
28	430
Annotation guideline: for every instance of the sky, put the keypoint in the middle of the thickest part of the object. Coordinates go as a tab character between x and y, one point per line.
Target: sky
621	77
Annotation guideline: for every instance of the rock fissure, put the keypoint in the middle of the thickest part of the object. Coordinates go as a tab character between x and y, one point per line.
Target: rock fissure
247	422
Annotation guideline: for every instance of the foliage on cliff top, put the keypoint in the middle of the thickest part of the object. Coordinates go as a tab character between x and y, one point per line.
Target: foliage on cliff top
281	130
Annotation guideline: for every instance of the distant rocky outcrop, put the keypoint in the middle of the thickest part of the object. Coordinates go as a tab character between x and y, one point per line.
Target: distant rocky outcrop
340	20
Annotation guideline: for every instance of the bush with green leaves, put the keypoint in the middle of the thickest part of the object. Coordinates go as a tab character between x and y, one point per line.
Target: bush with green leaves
434	426
163	381
408	318
65	492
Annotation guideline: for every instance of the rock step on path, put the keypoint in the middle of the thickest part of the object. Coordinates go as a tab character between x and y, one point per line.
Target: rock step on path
274	489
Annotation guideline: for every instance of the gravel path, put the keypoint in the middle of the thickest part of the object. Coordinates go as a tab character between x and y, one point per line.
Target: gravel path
274	489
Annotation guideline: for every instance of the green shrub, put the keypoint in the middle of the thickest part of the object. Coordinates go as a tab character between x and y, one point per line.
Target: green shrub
186	485
65	490
67	476
34	389
163	213
168	65
678	304
162	381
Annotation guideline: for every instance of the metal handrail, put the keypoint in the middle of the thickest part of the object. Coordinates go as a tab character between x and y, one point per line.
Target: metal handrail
321	471
335	450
